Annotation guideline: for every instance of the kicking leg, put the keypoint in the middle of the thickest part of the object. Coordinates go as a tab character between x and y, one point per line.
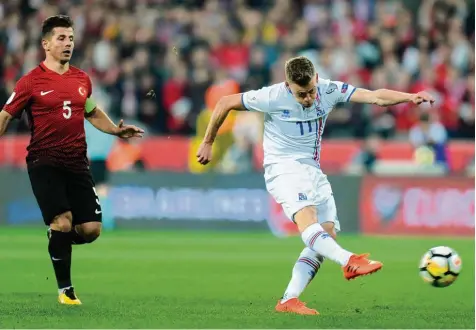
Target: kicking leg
317	239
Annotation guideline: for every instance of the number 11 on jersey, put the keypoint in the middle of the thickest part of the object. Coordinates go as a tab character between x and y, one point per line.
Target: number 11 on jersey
302	125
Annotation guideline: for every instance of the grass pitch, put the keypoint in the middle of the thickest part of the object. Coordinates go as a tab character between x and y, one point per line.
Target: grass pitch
137	279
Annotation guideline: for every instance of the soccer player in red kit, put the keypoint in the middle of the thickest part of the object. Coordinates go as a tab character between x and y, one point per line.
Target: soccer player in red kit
57	97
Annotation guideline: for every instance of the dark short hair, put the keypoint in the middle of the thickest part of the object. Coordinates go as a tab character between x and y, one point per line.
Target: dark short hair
55	21
299	70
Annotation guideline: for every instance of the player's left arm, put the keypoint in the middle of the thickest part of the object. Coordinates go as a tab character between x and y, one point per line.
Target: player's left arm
388	97
102	122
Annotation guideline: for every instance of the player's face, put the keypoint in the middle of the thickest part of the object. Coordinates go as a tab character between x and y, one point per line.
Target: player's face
60	44
305	95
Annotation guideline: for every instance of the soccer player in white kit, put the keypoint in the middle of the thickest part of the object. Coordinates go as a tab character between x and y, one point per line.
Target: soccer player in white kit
295	113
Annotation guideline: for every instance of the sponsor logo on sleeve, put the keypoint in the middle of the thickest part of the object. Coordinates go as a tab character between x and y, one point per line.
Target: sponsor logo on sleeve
331	88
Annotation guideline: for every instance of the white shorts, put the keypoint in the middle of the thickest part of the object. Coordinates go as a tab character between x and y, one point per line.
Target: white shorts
295	185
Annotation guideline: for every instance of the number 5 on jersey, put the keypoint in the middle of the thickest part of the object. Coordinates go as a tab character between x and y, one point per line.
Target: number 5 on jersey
67	109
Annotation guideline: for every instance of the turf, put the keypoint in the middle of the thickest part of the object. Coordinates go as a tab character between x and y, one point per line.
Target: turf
136	279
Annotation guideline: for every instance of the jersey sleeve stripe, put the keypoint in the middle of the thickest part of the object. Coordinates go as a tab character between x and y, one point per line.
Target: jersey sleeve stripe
243	101
348	98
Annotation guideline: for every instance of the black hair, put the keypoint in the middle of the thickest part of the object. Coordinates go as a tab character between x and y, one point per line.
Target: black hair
53	22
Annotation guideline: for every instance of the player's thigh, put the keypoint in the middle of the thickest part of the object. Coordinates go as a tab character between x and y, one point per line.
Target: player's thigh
298	193
49	187
297	198
82	196
291	191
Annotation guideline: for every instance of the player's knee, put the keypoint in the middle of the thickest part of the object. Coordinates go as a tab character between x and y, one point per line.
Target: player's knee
90	231
62	222
329	227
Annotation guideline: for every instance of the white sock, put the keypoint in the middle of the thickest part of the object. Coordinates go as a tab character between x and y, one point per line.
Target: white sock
304	271
316	238
60	291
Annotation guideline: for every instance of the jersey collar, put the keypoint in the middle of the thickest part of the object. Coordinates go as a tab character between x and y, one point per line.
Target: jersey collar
44	68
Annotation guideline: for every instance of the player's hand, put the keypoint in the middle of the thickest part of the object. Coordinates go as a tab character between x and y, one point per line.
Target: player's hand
128	131
204	153
423	97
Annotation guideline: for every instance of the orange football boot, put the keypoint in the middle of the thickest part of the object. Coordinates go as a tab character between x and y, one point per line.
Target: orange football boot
359	265
294	305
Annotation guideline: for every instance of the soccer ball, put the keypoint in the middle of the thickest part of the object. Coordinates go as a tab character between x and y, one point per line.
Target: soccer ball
440	266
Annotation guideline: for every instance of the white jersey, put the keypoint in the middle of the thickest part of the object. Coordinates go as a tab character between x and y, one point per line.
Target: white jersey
292	132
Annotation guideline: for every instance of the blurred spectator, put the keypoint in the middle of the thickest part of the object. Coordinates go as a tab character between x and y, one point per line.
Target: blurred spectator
368	156
259	73
429	135
246	134
469	170
176	102
181	48
238	158
466	111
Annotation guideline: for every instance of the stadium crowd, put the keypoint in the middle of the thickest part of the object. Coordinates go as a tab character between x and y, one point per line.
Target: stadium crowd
181	48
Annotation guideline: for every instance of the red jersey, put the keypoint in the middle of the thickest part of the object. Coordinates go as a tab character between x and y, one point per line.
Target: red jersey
55	105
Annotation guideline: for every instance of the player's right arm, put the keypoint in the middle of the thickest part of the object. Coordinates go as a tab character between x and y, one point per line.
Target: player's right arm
5	118
221	111
16	102
255	100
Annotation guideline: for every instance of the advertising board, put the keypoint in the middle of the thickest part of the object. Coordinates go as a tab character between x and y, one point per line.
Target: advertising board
417	206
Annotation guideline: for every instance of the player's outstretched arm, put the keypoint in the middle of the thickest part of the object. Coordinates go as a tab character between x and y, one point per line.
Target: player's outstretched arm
5	118
102	122
223	107
387	97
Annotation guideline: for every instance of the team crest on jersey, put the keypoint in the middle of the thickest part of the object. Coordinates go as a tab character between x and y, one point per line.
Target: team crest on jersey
82	91
286	114
302	196
319	111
